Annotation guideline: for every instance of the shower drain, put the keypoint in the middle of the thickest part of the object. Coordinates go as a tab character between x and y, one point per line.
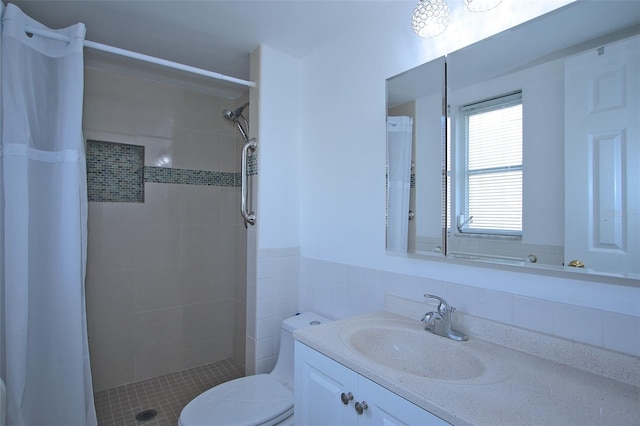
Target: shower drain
145	415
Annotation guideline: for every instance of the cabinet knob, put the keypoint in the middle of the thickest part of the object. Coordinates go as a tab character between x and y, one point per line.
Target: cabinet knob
346	397
361	406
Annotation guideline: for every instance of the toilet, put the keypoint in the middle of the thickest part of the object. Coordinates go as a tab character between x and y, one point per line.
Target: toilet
263	399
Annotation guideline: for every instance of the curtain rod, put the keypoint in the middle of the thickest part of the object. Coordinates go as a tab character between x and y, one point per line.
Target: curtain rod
140	56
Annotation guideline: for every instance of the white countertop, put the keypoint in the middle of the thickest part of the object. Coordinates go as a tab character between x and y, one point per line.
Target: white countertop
516	388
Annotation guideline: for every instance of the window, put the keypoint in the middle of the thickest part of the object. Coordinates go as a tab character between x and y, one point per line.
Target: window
492	177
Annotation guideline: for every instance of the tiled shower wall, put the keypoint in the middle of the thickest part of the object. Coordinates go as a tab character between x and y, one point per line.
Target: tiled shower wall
165	277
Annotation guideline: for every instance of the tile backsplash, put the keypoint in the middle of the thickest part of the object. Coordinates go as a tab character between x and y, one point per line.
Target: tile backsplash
339	290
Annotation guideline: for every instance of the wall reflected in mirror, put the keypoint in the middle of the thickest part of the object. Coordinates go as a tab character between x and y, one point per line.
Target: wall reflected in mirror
541	128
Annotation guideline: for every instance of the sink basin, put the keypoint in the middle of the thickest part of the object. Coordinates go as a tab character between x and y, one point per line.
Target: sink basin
406	347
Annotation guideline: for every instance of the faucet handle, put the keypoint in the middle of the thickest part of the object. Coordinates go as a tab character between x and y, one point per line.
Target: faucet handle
427	317
443	307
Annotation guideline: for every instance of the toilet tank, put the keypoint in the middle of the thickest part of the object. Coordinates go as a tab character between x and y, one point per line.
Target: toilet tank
283	371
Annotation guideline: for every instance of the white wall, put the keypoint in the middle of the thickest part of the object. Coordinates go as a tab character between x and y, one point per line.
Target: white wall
273	243
428	159
279	150
342	178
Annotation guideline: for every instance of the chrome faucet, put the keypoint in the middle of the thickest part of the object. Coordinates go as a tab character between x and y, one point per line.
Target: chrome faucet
439	322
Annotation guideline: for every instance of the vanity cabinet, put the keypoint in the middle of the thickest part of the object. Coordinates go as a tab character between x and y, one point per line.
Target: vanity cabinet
322	386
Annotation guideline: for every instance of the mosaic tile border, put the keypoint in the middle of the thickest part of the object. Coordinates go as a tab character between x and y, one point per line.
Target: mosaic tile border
190	177
252	165
116	173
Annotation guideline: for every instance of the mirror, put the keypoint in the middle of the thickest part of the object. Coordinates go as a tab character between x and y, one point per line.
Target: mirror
571	191
415	156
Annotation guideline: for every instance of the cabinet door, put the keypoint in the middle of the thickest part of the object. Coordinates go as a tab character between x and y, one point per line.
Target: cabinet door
319	383
386	408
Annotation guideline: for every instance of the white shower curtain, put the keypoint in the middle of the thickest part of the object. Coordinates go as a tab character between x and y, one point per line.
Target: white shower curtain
45	359
399	146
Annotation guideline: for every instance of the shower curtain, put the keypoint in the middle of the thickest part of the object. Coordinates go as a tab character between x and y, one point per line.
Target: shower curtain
399	146
45	355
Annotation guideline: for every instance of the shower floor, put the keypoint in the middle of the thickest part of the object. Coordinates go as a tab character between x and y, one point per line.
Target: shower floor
167	395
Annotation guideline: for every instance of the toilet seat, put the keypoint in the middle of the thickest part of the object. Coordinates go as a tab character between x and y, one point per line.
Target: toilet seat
251	400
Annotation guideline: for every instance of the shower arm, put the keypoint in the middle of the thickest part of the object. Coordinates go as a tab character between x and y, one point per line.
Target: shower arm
242	131
246	126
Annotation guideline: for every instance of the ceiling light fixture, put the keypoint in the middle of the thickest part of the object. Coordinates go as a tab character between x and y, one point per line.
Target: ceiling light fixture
431	17
481	5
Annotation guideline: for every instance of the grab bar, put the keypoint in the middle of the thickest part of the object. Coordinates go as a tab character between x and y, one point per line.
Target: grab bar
249	218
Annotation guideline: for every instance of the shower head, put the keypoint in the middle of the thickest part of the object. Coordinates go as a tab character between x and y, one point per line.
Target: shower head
233	116
228	114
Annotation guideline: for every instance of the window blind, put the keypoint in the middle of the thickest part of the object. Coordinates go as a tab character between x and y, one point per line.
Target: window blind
493	166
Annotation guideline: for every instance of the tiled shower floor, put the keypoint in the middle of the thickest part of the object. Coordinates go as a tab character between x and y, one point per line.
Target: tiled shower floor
166	394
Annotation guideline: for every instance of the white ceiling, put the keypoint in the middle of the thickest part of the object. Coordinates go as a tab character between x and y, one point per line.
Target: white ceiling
216	35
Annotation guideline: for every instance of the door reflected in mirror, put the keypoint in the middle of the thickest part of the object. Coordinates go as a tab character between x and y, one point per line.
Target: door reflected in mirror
542	144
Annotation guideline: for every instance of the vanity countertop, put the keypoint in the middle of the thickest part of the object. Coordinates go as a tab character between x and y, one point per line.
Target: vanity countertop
549	384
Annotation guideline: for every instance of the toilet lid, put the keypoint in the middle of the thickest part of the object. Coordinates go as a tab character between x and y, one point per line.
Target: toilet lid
251	400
